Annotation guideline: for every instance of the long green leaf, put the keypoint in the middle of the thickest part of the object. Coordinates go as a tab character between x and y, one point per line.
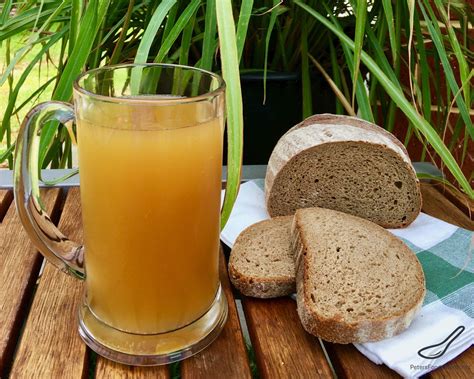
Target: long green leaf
230	71
305	76
461	58
273	17
361	19
186	39
436	34
362	97
419	122
6	9
242	25
424	69
124	25
76	14
170	20
388	11
178	27
210	30
151	30
336	74
7	154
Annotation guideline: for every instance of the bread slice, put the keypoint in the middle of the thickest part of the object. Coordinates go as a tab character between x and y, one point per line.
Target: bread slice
356	282
261	262
346	164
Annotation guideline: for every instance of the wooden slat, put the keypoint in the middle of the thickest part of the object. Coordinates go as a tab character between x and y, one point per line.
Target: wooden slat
19	267
50	346
282	347
435	204
6	198
456	197
113	370
348	362
461	367
226	357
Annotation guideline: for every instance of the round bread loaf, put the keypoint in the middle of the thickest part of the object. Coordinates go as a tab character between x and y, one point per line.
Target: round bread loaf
346	164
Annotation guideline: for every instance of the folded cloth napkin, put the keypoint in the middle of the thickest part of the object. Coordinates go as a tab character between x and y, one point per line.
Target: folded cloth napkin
445	326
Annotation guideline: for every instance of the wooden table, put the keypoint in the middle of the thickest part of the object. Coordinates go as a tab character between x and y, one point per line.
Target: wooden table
39	338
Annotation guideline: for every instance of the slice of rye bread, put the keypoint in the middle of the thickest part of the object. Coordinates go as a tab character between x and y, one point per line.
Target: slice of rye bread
356	282
346	164
261	262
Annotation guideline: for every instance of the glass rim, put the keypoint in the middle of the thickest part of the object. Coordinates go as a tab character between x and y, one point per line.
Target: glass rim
144	99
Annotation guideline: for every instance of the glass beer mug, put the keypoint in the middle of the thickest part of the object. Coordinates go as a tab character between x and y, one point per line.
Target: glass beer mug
150	157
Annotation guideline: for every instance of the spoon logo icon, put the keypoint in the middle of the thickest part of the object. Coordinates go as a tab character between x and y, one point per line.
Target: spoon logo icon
438	350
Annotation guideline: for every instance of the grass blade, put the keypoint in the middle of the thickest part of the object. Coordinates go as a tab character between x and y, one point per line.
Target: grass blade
186	42
242	25
305	76
336	74
210	29
151	30
461	58
76	14
6	9
170	21
7	154
435	33
361	19
363	100
424	70
388	11
178	27
123	33
271	25
230	71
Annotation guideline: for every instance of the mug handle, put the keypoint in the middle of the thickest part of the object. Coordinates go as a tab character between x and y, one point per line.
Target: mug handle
67	255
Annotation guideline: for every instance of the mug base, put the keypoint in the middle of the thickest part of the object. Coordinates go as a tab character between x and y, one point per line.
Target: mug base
153	349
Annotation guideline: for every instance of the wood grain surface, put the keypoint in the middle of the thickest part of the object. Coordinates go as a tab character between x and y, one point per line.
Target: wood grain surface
348	362
456	197
19	267
6	197
282	347
50	346
108	369
462	367
436	205
227	355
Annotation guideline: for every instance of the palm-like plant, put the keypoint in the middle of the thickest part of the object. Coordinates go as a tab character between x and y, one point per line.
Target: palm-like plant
354	44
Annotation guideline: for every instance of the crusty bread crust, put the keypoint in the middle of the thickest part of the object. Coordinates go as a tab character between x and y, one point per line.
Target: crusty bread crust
285	151
259	286
335	329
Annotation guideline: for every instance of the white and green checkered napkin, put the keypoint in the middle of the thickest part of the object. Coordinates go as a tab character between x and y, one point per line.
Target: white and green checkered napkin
445	326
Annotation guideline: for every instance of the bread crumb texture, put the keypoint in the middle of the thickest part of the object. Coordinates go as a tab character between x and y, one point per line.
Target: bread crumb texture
356	281
343	167
261	262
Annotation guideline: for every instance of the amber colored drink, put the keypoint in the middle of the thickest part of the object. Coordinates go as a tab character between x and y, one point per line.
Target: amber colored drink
150	191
